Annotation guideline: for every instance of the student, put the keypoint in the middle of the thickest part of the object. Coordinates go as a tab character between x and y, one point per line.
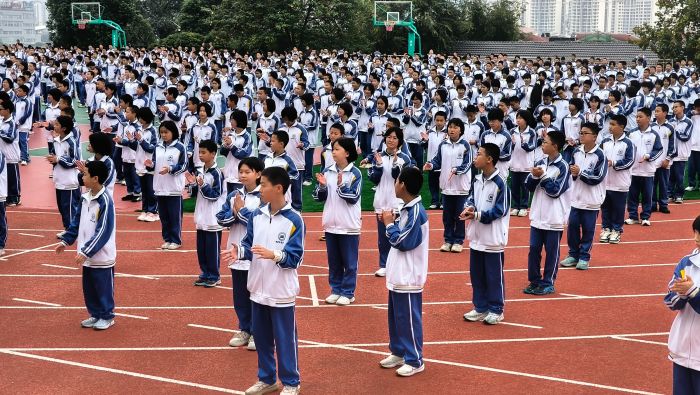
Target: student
299	140
23	121
9	147
93	228
524	144
340	186
3	198
386	167
436	136
377	123
236	212
267	123
278	158
548	181
415	119
620	153
487	210
65	172
273	317
126	139
659	197
588	169
100	145
648	150
169	162
336	131
203	130
236	147
683	137
407	271
499	136
210	186
454	160
309	120
571	126
146	140
683	297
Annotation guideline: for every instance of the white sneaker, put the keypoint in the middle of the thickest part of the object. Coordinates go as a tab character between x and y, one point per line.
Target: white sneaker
493	318
678	200
173	246
646	222
164	246
289	390
152	217
433	206
605	235
239	339
391	361
408	370
332	298
379	273
60	234
474	316
614	237
522	212
101	324
630	221
306	183
456	248
446	247
2	251
142	217
689	189
89	323
514	212
344	301
251	344
23	163
261	388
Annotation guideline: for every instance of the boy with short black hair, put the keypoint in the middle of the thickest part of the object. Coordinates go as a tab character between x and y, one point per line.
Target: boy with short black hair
487	208
65	172
548	181
274	321
498	135
406	273
93	227
279	158
649	150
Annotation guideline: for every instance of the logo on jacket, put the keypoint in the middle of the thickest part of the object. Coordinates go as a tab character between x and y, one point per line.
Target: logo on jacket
490	198
281	237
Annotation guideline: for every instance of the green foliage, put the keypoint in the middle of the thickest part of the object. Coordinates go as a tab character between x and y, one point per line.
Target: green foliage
139	32
183	39
498	21
676	33
162	15
195	17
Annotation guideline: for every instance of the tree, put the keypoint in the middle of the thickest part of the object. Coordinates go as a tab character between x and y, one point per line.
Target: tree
183	39
162	15
676	33
195	17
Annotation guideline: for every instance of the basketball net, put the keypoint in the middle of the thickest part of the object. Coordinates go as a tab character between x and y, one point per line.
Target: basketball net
81	24
389	25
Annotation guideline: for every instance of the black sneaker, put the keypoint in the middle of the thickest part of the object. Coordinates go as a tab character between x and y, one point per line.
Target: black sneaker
128	198
543	290
211	283
665	210
136	198
200	282
530	289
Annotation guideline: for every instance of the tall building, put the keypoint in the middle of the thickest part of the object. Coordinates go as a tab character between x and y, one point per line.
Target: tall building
568	17
17	22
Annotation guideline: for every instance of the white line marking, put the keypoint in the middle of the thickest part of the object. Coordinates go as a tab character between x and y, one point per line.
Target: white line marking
29	234
44	349
521	325
639	340
314	292
139	317
223	287
37	302
135	276
6	257
122	372
304	298
214	328
380	307
574	296
61	267
314	266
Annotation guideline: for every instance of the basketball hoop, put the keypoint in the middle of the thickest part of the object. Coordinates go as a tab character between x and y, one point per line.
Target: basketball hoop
81	24
389	25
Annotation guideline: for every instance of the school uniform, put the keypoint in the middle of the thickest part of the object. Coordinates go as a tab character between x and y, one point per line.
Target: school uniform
238	223
209	201
129	145
522	160
549	213
342	222
240	148
273	286
587	195
174	113
23	122
283	160
144	150
377	130
505	143
384	175
364	111
435	138
168	188
415	123
694	159
3	198
488	236
198	133
571	126
65	178
648	150
406	274
683	342
683	141
94	229
297	136
659	197
9	147
309	120
454	160
618	180
268	123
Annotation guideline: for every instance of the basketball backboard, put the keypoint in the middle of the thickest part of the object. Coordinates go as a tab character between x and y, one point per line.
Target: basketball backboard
399	13
83	13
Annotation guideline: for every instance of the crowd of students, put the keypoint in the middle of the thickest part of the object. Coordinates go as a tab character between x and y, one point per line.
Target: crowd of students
558	140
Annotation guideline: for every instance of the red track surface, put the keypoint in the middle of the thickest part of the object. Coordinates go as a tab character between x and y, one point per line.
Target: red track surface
605	334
